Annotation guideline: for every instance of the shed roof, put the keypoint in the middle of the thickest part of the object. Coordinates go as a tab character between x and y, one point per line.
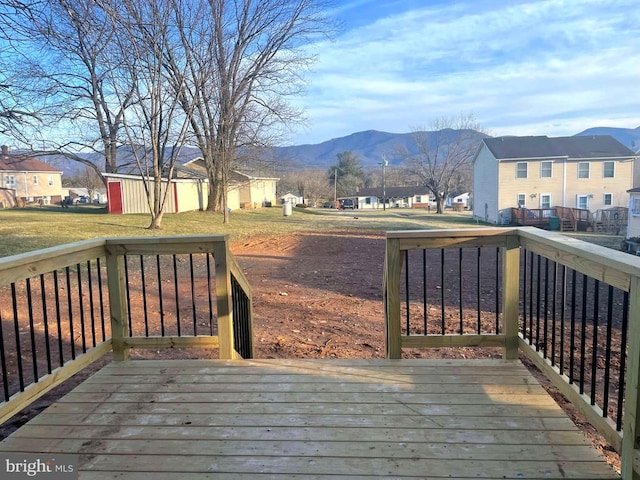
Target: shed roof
576	147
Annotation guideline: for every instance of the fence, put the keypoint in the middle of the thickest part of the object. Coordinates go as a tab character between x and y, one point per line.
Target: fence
569	306
62	308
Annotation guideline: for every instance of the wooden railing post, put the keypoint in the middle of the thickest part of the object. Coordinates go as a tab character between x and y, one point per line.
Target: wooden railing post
224	303
393	267
117	285
631	428
511	296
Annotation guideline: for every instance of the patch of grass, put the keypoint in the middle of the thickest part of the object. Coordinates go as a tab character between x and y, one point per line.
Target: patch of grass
26	229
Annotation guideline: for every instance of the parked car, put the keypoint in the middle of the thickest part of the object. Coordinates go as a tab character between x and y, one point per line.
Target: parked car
327	205
347	203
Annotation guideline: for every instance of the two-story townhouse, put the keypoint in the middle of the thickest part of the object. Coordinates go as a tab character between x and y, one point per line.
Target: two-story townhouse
587	172
28	179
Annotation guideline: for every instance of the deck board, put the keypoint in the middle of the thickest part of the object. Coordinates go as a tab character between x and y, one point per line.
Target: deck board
312	419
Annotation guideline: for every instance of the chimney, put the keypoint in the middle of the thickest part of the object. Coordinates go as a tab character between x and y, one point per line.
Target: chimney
5	151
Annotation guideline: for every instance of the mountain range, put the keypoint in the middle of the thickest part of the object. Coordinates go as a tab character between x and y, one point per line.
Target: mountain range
370	146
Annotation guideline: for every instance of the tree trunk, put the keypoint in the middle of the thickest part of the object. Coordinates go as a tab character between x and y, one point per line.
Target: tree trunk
439	204
156	222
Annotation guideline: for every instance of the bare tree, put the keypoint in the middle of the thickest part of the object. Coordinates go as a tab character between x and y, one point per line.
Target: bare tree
444	154
16	109
155	125
244	58
310	184
67	46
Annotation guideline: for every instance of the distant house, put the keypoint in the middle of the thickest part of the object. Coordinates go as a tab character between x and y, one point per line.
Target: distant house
409	197
585	172
633	225
245	191
25	179
291	198
251	192
463	198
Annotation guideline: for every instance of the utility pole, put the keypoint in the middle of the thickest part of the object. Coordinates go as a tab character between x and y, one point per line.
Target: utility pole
385	163
335	185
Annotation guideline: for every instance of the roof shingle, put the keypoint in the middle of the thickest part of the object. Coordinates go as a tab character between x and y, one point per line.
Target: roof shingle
591	146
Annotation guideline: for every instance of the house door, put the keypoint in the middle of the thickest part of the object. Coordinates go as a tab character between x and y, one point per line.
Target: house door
114	197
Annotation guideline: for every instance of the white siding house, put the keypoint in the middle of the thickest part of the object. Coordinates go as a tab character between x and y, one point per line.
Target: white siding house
584	172
633	227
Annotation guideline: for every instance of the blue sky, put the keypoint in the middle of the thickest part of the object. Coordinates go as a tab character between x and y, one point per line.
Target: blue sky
536	67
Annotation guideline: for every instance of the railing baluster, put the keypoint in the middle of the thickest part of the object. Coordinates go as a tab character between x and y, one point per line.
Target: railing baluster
101	299
176	291
525	292
145	307
128	294
546	307
594	346
442	317
406	290
563	299
160	297
607	358
583	332
93	322
3	363
538	296
531	340
81	308
460	289
209	290
478	283
572	338
45	320
56	290
72	337
16	332
193	296
32	332
497	289
425	305
623	358
554	313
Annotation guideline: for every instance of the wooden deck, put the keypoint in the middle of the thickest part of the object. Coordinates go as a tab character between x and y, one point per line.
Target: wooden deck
259	419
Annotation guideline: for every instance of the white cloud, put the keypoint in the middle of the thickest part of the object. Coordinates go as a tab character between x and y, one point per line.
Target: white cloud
532	64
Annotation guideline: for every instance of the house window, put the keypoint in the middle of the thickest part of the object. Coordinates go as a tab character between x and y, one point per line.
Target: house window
11	180
521	200
583	170
545	201
608	199
367	201
35	179
546	169
635	206
51	181
608	169
521	170
418	199
583	202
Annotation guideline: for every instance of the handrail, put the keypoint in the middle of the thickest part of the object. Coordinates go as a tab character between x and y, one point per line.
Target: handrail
537	252
80	294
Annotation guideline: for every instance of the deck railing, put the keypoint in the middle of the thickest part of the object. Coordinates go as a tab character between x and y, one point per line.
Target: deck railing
65	307
571	307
